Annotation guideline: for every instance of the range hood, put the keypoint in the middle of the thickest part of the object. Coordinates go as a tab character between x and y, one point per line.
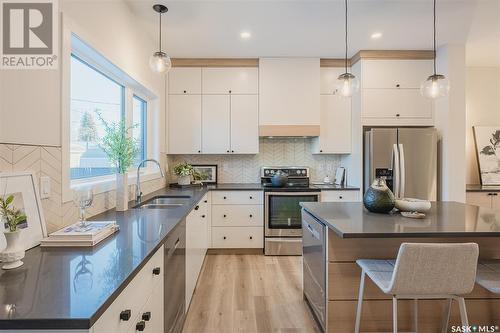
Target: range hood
289	97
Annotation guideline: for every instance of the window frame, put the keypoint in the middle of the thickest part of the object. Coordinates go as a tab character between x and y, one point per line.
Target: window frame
144	122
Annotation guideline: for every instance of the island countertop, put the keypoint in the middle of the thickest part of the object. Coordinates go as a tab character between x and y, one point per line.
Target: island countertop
445	219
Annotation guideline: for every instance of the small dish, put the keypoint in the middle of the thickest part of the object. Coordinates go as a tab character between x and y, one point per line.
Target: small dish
413	215
413	205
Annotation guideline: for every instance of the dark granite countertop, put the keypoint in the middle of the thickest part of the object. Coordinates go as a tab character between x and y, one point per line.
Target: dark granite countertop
332	187
445	219
50	292
480	188
236	187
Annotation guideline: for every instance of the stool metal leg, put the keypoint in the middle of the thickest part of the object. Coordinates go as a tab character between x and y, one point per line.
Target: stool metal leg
415	315
360	302
463	311
394	314
446	315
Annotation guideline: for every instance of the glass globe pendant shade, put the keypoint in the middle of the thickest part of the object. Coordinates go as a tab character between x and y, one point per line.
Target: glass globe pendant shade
160	62
435	86
347	85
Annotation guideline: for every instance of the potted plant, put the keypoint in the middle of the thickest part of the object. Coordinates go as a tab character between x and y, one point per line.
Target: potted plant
122	150
11	217
184	172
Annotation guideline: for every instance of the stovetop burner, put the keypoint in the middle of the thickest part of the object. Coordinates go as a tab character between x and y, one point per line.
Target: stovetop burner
298	179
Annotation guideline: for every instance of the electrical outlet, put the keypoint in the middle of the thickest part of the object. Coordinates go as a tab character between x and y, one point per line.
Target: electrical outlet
44	187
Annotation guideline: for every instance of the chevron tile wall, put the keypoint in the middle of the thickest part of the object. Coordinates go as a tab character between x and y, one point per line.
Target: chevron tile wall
273	152
47	161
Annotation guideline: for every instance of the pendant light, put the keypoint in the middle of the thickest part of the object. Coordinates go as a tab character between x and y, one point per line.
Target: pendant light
160	61
347	84
436	85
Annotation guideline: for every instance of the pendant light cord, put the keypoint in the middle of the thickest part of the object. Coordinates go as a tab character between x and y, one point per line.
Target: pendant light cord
160	31
346	35
435	71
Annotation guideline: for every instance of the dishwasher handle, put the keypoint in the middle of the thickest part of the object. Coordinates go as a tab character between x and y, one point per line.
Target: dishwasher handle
313	232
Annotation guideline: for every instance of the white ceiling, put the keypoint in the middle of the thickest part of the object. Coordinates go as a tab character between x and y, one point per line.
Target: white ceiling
211	28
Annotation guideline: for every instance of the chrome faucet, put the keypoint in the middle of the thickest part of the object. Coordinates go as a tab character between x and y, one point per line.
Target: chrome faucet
138	194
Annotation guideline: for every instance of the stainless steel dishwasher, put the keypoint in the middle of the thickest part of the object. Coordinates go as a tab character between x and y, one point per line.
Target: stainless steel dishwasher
314	267
175	279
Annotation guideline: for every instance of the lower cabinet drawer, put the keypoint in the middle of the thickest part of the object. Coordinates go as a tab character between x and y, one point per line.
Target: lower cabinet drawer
237	215
237	237
340	196
132	299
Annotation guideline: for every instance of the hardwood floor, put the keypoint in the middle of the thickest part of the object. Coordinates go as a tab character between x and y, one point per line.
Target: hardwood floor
249	293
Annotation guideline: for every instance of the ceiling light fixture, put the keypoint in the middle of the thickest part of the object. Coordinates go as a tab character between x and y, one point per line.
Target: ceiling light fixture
436	85
245	34
160	62
376	35
347	83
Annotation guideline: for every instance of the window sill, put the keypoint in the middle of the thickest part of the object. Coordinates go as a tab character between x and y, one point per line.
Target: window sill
108	183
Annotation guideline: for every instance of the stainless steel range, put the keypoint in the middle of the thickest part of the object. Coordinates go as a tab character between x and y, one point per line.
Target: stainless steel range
282	212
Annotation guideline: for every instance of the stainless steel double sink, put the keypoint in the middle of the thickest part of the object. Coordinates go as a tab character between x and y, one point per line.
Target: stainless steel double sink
165	202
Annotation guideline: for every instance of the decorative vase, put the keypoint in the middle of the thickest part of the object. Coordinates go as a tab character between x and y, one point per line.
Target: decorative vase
184	180
14	252
121	192
379	198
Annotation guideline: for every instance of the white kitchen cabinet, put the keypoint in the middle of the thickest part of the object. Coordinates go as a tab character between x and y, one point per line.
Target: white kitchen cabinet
340	196
216	122
245	124
396	104
230	80
237	237
196	245
237	216
387	74
289	91
328	79
184	124
237	198
484	199
184	80
335	127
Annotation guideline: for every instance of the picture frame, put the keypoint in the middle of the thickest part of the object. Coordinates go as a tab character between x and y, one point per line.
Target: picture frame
23	185
208	173
487	142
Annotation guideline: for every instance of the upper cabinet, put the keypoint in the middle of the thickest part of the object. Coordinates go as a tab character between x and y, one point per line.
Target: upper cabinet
237	80
184	124
244	124
404	74
184	80
289	92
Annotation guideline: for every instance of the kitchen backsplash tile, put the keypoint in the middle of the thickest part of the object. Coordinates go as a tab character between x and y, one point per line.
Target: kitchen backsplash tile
273	152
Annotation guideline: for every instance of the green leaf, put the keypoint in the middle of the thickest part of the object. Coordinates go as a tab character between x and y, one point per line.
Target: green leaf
9	199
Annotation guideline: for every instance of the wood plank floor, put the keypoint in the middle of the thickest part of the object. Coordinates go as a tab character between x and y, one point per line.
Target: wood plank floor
249	293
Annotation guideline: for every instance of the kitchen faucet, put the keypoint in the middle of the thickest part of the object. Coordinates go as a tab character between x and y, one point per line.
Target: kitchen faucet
138	194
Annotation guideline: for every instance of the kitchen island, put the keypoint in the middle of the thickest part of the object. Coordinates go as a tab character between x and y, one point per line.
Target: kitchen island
351	233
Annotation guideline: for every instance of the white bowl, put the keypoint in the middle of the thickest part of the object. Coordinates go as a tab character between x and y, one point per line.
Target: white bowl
413	205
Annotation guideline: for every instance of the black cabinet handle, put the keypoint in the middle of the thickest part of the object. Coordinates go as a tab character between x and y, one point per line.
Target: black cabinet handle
251	197
185	91
398	85
224	215
251	215
140	326
125	315
197	207
224	198
495	194
224	237
321	150
227	151
199	151
251	237
341	197
205	201
397	114
146	316
230	91
156	271
232	151
203	216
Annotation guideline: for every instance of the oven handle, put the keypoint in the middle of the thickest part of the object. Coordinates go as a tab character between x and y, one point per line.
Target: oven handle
318	194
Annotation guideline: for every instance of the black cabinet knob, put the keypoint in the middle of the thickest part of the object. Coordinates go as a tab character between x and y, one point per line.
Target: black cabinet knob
205	201
199	151
230	91
224	237
341	197
251	215
398	85
397	114
185	91
203	216
125	315
251	197
224	215
232	151
251	237
140	326
495	194
224	198
156	271
321	150
146	316
197	207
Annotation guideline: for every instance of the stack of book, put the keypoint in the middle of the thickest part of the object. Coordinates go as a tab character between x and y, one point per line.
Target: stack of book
76	236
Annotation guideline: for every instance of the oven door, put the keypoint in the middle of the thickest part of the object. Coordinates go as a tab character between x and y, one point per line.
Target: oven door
282	212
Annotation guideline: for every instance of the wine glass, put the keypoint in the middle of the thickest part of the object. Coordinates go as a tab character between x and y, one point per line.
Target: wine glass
83	197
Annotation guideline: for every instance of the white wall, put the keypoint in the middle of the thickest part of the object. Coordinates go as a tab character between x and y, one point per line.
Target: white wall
483	108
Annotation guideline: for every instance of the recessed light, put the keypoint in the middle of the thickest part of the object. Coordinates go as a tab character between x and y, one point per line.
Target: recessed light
376	35
245	34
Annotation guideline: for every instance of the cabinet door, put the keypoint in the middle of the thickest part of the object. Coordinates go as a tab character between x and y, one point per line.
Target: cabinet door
184	124
191	256
482	199
396	103
395	73
216	124
237	80
340	196
335	128
245	124
155	308
184	81
328	79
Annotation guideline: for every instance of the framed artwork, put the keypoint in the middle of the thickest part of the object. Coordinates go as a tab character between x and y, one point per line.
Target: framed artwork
24	187
487	139
207	172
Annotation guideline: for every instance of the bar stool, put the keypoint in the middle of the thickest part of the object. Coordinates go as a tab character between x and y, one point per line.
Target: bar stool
422	271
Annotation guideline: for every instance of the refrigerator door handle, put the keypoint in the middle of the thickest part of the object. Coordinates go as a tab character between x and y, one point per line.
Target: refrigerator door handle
395	169
402	175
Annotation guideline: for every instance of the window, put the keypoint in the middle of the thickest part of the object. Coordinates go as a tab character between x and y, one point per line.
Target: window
139	120
93	96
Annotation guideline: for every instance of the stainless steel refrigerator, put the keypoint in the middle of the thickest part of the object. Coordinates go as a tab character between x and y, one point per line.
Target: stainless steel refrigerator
406	157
